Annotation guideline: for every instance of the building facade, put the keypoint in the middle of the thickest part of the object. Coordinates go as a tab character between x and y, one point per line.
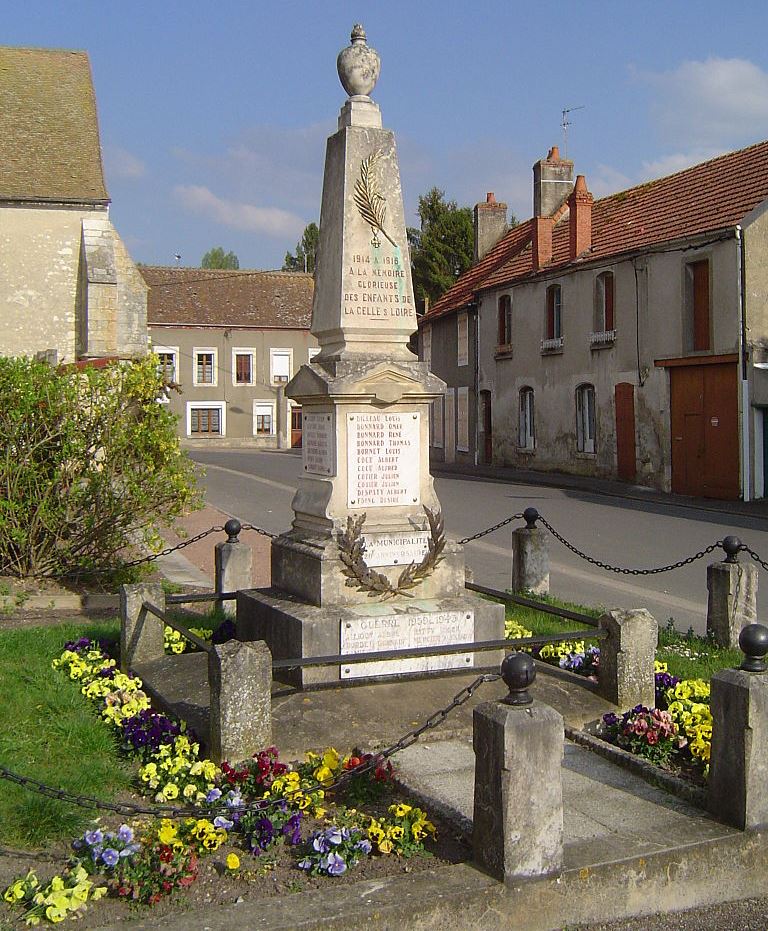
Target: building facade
623	338
229	342
68	288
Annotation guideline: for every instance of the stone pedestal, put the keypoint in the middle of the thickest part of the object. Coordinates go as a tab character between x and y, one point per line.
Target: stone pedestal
530	561
738	776
366	565
627	657
141	633
240	679
234	570
732	600
518	813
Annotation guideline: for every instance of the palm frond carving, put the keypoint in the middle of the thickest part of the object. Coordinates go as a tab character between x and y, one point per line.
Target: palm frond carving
370	201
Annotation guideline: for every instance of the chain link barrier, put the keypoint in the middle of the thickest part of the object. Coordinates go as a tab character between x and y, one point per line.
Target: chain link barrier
622	570
753	555
174	811
483	533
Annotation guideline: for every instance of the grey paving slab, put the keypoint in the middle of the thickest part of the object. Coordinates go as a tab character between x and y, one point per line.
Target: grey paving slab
609	814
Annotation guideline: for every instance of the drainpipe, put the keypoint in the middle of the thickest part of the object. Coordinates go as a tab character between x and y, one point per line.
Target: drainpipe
476	377
746	461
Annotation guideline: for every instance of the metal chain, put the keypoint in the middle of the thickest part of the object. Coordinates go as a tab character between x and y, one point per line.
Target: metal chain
754	556
153	556
483	533
264	533
172	811
622	571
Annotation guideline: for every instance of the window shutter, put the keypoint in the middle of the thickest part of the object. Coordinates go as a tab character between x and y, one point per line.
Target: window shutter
608	297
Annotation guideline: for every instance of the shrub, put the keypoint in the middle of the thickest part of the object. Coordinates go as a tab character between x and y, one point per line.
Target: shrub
89	461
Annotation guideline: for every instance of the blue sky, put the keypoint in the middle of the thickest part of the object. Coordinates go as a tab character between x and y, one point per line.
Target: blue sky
214	116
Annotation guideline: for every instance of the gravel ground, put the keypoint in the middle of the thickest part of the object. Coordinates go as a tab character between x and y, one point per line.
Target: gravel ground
747	915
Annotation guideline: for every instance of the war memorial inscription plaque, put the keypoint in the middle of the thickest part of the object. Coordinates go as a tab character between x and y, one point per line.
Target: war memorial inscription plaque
383	459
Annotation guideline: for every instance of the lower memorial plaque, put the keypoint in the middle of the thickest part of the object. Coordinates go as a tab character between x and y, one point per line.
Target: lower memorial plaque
377	633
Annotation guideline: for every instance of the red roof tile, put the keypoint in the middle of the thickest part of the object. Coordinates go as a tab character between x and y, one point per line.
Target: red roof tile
714	195
220	297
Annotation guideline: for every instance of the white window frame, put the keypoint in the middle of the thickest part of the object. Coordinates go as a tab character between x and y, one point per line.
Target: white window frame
437	423
273	352
462	339
526	436
312	351
586	419
426	345
462	401
260	407
174	351
243	351
198	350
200	405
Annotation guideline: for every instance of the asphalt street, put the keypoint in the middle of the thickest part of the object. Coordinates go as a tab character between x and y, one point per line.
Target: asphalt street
258	487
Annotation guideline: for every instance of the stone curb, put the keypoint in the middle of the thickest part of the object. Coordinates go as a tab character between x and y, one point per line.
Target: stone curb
640	767
90	601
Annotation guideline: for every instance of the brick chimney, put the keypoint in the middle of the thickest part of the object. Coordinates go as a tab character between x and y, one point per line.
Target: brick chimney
579	219
541	241
490	225
552	183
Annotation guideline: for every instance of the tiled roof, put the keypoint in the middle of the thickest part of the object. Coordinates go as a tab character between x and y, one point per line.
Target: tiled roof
49	133
218	297
712	196
461	293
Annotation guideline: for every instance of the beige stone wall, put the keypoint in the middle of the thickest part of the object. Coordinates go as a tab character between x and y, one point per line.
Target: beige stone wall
237	400
39	273
68	284
659	301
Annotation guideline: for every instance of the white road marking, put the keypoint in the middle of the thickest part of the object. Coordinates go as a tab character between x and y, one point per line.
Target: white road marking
255	478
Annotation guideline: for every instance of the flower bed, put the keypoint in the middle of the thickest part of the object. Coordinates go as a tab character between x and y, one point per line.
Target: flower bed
258	817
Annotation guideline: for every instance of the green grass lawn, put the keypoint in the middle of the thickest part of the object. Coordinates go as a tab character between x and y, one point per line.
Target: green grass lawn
50	732
686	655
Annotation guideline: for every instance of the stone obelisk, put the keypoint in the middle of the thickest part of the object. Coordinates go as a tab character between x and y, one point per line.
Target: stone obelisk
366	566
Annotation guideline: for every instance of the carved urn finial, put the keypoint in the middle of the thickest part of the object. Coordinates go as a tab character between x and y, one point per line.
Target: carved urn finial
358	65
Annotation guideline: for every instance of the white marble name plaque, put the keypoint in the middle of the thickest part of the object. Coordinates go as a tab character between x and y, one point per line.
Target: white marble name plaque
395	549
383	457
404	631
318	444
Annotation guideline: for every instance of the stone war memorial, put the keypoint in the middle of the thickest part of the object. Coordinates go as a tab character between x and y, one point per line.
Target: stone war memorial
366	565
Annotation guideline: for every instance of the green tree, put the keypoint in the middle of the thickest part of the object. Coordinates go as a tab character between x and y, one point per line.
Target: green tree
443	247
306	251
218	258
90	466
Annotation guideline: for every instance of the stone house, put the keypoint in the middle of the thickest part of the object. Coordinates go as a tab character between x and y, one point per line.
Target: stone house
623	338
69	290
231	341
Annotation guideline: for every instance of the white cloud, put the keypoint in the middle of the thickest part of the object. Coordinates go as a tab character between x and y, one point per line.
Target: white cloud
719	103
120	163
271	221
676	161
604	180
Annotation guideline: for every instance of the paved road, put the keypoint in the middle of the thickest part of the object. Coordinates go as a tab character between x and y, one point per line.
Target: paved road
258	487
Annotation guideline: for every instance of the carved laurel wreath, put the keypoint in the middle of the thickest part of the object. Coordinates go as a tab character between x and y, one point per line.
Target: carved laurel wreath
361	576
370	201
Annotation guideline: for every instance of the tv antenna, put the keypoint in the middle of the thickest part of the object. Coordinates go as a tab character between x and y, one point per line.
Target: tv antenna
566	123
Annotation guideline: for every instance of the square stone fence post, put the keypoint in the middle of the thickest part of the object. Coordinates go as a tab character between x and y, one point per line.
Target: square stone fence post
732	595
627	658
518	809
738	775
234	565
240	680
530	556
141	633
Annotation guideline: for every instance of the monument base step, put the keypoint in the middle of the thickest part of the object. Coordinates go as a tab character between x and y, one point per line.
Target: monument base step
295	630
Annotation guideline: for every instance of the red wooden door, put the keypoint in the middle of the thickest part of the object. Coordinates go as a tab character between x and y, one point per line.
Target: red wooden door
295	427
626	458
705	430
